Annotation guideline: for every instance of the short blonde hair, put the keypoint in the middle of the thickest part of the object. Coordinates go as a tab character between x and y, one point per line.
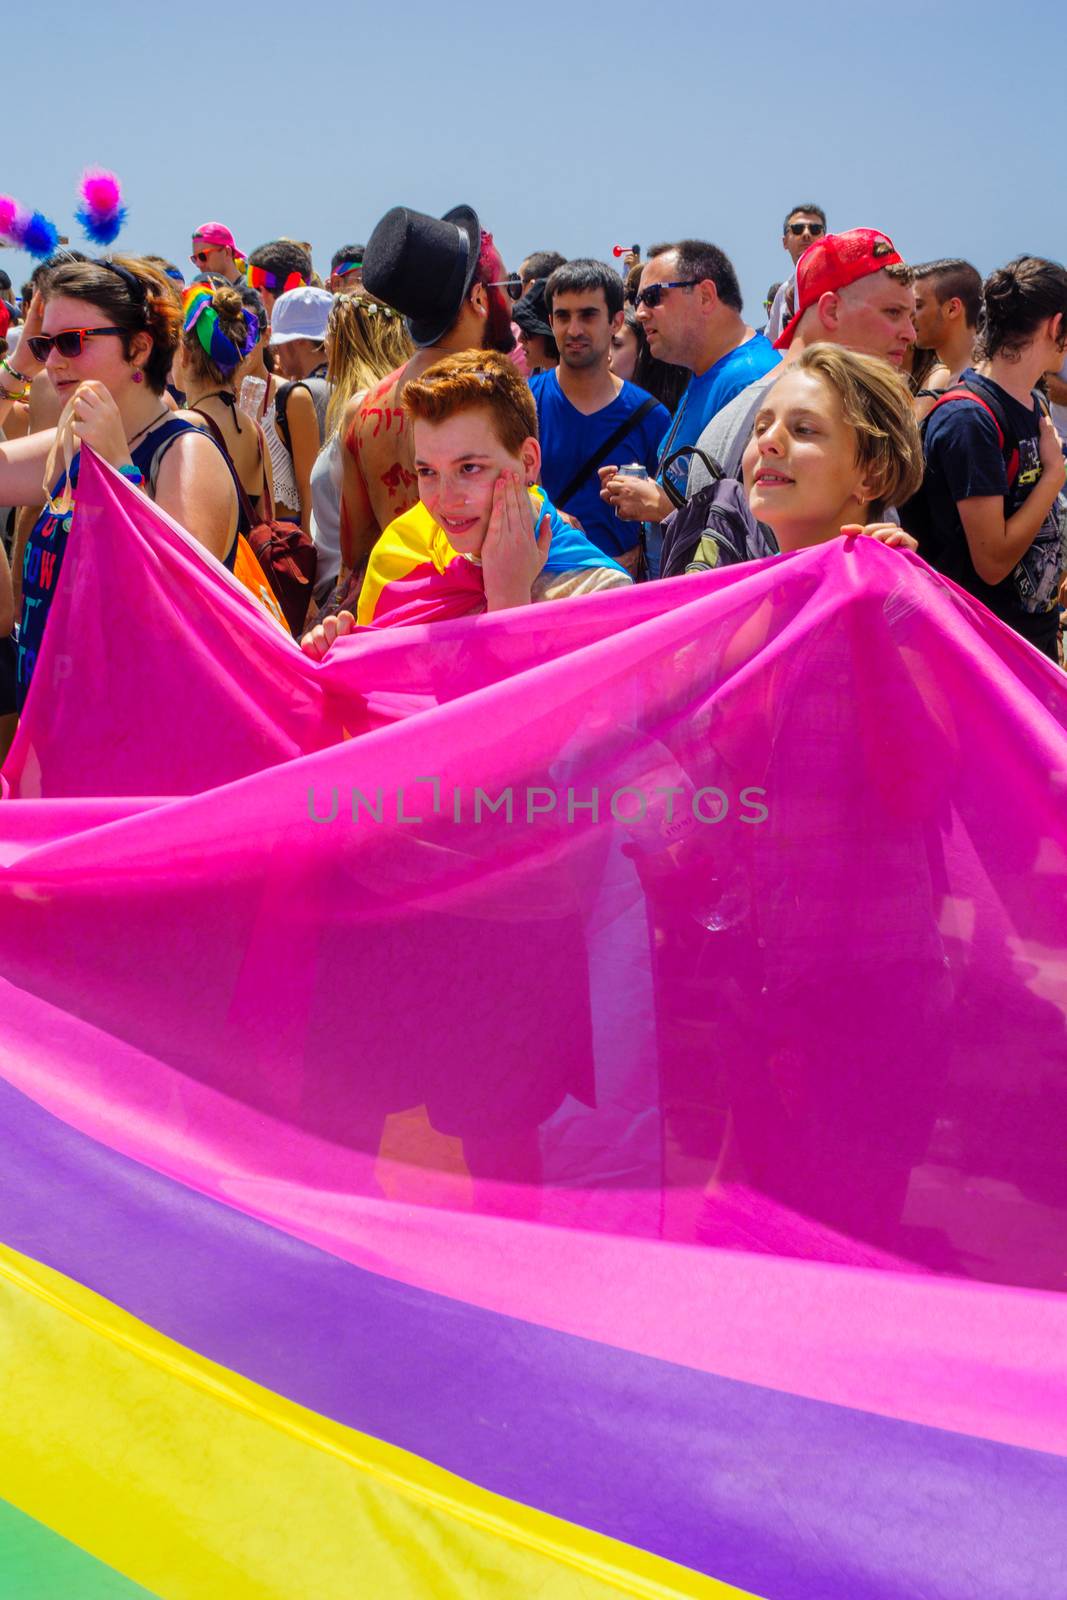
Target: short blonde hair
877	405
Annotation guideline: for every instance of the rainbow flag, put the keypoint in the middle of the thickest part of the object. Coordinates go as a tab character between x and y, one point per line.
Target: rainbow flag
416	576
573	1108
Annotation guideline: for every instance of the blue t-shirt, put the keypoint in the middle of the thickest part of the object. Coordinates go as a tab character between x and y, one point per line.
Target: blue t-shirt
706	395
568	438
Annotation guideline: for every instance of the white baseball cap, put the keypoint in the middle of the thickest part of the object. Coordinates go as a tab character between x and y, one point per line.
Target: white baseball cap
300	314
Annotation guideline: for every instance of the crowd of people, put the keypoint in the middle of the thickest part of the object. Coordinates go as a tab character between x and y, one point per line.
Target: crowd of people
427	433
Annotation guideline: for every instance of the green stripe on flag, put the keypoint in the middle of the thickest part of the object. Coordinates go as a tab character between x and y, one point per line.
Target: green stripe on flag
37	1564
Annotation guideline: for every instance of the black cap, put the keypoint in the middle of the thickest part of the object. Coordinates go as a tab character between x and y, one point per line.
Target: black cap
531	313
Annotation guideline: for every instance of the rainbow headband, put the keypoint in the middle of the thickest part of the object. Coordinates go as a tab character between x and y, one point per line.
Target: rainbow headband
260	278
200	314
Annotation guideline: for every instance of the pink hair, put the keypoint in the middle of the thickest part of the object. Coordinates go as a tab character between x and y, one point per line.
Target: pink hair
490	265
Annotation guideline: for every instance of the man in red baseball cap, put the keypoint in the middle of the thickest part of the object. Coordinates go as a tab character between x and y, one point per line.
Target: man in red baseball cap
853	290
215	252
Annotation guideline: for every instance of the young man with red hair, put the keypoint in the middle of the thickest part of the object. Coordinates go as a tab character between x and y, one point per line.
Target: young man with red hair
482	535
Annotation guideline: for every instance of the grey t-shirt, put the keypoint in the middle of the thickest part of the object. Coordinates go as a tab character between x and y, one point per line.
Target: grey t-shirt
777	317
728	432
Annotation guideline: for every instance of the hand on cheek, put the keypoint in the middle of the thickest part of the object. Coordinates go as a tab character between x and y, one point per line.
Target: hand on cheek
512	558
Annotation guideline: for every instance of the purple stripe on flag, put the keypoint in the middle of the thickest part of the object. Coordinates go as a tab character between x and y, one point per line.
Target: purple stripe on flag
784	1496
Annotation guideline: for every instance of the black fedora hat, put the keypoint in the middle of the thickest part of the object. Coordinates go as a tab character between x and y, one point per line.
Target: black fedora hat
423	266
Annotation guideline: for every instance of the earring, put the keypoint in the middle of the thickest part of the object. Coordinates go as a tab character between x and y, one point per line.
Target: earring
138	375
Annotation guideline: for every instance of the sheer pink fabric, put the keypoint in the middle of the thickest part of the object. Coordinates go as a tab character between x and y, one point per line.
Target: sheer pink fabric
727	911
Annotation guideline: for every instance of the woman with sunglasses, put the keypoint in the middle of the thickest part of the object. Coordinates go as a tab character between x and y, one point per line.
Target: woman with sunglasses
109	330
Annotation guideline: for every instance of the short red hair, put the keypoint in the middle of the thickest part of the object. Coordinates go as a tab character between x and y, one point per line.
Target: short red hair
476	380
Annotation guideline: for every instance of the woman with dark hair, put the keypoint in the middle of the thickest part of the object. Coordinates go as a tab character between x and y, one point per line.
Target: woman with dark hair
106	333
535	331
219	332
986	514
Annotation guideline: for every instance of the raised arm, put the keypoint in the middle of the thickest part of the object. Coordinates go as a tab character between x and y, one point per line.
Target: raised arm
996	543
22	464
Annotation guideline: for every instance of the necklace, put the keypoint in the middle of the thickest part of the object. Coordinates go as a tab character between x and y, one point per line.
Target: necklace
157	418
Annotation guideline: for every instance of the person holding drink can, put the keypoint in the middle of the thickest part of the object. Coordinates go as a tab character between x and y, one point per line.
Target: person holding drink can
586	415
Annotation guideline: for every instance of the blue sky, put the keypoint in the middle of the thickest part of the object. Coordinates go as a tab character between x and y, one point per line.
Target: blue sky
565	126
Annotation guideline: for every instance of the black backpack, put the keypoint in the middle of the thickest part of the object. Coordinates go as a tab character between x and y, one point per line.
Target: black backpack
718	511
915	514
316	386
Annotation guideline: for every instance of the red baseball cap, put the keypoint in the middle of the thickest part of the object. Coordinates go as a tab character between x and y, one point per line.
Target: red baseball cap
215	233
833	263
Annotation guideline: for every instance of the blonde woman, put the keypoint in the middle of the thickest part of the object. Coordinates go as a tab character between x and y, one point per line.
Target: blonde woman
365	341
834	444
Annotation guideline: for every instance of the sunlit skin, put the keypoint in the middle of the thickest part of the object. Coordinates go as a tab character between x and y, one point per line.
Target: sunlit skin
102	359
105	407
941	325
378	478
476	491
582	327
673	327
623	356
795	245
801	469
873	316
538	356
927	315
350	282
219	260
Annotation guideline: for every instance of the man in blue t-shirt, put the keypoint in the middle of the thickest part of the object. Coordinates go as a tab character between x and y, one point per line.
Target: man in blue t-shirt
582	407
689	305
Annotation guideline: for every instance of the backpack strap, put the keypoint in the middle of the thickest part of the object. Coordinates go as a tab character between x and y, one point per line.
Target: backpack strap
281	406
1011	457
602	451
713	468
244	503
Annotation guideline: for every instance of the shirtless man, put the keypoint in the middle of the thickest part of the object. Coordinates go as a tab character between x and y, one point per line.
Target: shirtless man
447	277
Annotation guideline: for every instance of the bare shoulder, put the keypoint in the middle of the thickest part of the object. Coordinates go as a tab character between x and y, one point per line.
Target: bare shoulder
194	417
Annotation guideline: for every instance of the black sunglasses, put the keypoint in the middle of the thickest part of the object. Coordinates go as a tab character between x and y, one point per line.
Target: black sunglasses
69	343
652	296
512	287
816	229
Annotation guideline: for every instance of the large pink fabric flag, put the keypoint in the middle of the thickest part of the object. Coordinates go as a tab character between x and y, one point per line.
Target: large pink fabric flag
678	972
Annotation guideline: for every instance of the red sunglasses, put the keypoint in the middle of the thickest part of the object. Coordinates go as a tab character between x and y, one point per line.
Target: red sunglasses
70	343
